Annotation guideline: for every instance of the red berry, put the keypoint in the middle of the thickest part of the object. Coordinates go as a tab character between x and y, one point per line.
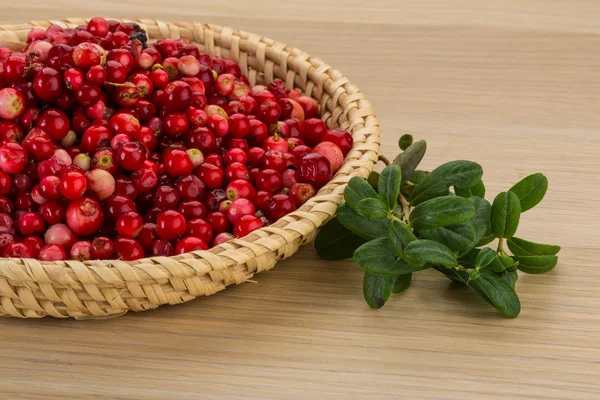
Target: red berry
177	163
191	209
54	122
118	204
218	124
52	252
191	188
10	132
131	156
301	193
189	244
333	153
342	139
300	151
276	143
314	168
239	125
125	123
222	238
240	188
47	84
34	244
235	171
129	224
310	106
235	155
101	248
53	213
273	159
210	175
162	248
199	228
128	249
245	225
166	197
239	208
73	185
218	221
84	216
13	158
12	103
170	225
269	180
314	130
177	96
31	224
215	159
202	139
98	27
279	206
269	112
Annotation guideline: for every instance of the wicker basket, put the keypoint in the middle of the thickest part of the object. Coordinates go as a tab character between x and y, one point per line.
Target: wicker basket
101	289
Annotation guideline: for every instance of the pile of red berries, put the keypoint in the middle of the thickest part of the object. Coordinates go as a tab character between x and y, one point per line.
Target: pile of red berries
114	148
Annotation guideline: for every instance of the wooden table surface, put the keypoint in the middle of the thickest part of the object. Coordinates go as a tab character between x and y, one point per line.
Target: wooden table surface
513	85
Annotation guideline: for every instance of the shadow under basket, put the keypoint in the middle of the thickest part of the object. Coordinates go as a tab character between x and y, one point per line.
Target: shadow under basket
108	288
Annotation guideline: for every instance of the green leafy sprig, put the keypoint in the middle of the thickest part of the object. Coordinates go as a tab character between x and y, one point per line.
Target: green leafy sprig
406	220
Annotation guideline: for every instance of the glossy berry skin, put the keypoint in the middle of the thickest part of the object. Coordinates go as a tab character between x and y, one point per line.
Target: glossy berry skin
131	156
178	163
216	160
236	171
239	208
301	193
177	96
300	151
254	154
315	169
239	189
55	122
12	104
189	244
31	223
279	206
269	180
128	249
314	130
191	188
333	153
13	158
52	252
222	238
5	184
98	27
199	228
166	197
129	224
170	225
101	248
269	112
212	176
53	213
273	159
276	143
116	205
246	225
48	84
175	124
235	155
218	221
191	209
73	185
126	124
84	216
342	139
17	250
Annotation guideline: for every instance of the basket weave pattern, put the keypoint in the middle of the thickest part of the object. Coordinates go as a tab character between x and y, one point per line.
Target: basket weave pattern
100	289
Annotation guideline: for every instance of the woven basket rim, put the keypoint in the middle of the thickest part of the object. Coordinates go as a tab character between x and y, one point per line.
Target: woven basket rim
265	60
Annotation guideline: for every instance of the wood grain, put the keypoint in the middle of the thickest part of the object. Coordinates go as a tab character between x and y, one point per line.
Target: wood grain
513	85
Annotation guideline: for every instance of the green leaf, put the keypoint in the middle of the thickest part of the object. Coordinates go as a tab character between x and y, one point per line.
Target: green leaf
478	190
400	235
530	190
373	179
389	185
460	174
379	257
366	228
522	247
485	257
335	242
536	264
506	213
498	264
474	274
491	287
497	292
402	283
357	190
455	237
418	176
377	289
510	278
428	251
487	238
441	211
469	259
410	158
481	219
405	141
372	208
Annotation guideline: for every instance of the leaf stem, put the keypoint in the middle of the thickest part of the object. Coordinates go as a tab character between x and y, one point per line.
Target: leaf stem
385	160
405	208
500	246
